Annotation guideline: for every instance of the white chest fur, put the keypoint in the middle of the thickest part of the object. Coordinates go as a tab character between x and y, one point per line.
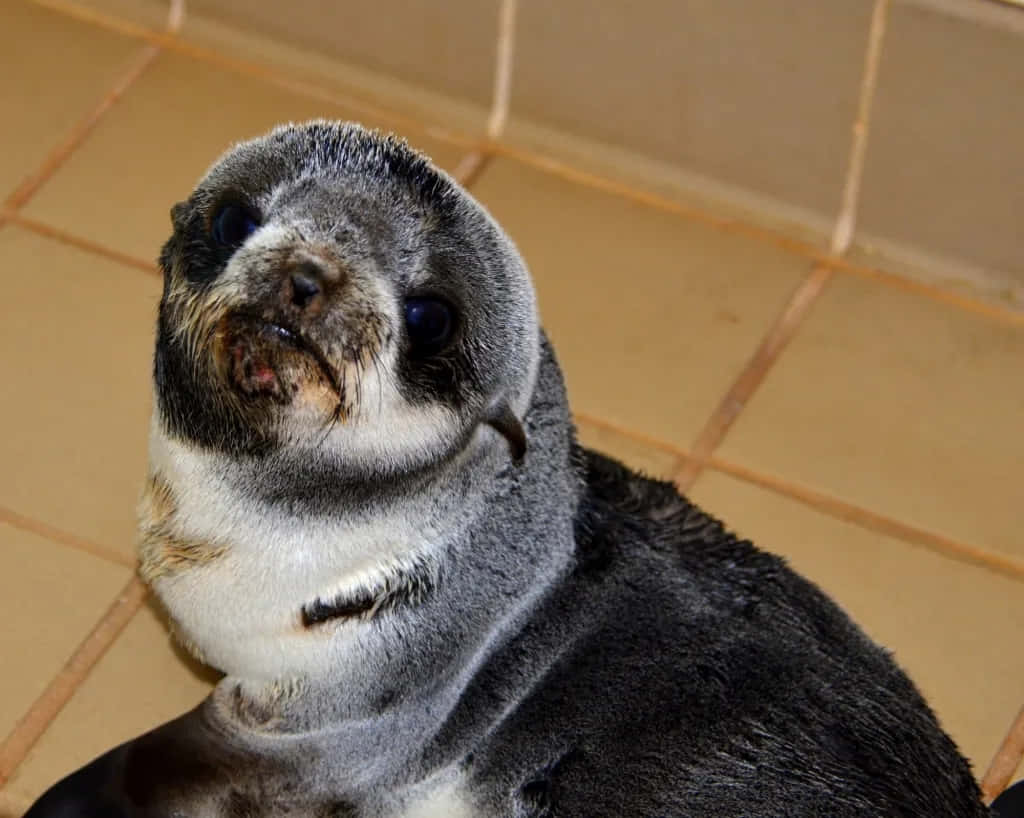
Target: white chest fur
443	797
242	611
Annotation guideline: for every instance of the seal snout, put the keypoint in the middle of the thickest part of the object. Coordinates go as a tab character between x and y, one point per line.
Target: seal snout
307	282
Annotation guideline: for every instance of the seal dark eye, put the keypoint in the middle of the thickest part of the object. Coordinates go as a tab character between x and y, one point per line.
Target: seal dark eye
429	322
232	224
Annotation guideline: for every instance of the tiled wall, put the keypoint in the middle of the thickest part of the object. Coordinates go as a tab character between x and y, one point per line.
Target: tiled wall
748	103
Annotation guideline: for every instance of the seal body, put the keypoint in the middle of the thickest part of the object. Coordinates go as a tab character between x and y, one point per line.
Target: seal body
367	506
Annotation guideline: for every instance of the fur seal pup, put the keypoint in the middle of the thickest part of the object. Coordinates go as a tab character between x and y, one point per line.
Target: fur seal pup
366	505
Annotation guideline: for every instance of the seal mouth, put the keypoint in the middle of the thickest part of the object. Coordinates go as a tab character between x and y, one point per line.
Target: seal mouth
303	344
256	364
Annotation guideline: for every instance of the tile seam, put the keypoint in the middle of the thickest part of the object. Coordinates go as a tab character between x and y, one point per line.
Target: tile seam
504	62
64	237
472	166
61	537
1003	564
831	506
1006	760
545	163
639	437
843	231
30	728
773	343
81	131
176	12
933	292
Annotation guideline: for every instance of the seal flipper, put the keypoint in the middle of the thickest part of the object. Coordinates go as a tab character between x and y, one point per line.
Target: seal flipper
503	420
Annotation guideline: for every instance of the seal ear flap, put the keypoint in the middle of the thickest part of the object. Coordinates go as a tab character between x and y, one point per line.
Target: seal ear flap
500	417
178	212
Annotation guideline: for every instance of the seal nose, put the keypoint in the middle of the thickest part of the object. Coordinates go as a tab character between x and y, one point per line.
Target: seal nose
306	283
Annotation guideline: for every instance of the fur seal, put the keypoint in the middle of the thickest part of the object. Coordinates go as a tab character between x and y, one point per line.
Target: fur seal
367	506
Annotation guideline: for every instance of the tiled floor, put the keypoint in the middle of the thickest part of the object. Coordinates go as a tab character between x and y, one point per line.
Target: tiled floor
882	452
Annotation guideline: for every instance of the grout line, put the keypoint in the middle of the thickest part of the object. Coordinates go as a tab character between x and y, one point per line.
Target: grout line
639	437
753	373
82	243
1007	315
51	701
59	155
471	166
176	16
1006	760
503	69
1004	564
66	538
842	234
544	163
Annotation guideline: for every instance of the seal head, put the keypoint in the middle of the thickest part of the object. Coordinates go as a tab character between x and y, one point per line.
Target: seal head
347	345
330	292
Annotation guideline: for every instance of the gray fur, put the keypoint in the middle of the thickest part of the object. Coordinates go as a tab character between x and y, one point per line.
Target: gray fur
585	643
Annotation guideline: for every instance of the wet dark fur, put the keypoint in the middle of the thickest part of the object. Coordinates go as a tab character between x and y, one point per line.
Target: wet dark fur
739	688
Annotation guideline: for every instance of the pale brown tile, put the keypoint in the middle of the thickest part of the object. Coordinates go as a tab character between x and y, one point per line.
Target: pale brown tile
953	627
638	454
13	806
944	168
151	14
50	597
151	149
446	46
900	404
142	682
757	95
652	315
55	70
76	337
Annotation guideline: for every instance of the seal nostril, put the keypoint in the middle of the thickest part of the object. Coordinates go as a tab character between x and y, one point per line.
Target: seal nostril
304	289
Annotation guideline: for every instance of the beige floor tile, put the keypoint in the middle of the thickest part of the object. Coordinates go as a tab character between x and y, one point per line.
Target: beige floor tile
13	806
637	454
909	407
55	71
954	628
76	340
652	315
140	683
151	149
50	597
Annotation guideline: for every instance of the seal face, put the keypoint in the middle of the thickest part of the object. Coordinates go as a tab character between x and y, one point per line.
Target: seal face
339	321
327	290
